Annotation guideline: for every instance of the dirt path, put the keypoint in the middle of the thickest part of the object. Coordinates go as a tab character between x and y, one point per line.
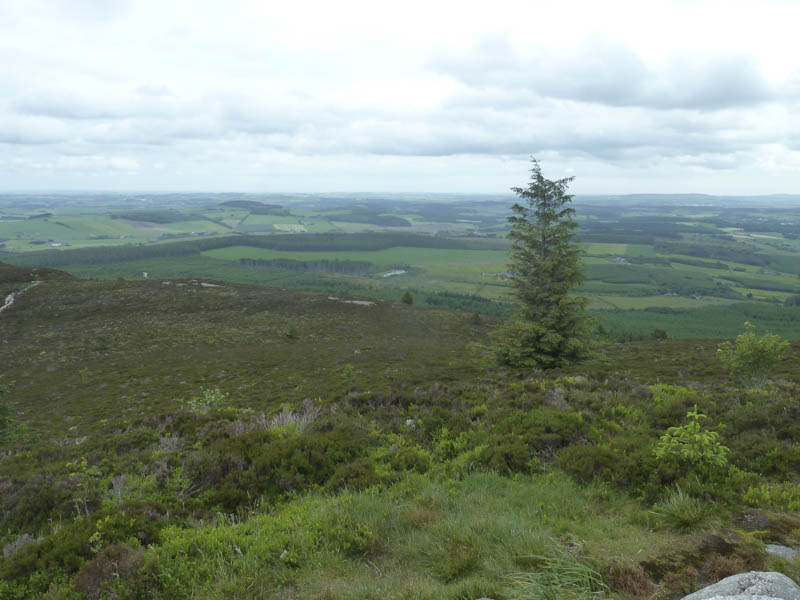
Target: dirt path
13	295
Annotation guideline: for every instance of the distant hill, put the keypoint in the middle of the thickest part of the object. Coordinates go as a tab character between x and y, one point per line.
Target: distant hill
257	208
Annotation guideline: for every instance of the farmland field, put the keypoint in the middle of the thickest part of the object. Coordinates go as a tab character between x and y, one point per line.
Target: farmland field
450	251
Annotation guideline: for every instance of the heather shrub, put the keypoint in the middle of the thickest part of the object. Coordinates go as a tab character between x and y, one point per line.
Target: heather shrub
354	475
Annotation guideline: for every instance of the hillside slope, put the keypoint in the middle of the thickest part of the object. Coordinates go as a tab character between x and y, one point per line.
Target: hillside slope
188	438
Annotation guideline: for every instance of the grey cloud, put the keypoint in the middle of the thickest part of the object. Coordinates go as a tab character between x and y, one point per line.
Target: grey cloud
715	162
152	131
100	103
31	131
489	120
99	11
154	90
612	74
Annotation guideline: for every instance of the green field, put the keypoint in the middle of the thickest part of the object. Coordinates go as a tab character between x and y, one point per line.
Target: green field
638	255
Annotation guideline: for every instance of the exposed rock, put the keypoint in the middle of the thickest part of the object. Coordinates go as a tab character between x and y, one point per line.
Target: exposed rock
776	526
782	551
19	543
359	302
755	585
753	520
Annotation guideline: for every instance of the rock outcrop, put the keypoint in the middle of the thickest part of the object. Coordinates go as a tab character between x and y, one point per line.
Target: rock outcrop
755	585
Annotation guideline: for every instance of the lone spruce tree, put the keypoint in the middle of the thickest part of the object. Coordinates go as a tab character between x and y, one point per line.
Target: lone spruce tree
550	328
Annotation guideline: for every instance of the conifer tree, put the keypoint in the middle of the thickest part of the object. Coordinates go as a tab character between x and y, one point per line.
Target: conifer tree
550	328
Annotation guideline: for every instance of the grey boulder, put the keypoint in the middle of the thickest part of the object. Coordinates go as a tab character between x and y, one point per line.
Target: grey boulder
782	551
755	585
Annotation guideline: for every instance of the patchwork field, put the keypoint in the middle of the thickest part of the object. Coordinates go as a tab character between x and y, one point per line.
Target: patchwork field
637	255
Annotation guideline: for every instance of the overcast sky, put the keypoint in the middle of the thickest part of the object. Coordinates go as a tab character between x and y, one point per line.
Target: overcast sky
439	96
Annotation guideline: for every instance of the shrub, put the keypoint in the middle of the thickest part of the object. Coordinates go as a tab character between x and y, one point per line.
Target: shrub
509	454
111	574
40	499
628	579
412	458
750	359
407	298
65	550
355	475
695	446
6	420
208	399
670	403
783	496
545	429
585	463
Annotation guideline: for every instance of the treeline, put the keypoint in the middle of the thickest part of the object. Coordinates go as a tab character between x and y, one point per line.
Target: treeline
615	237
468	303
257	208
634	230
371	218
318	242
705	322
761	284
344	267
786	225
664	280
153	216
715	251
700	263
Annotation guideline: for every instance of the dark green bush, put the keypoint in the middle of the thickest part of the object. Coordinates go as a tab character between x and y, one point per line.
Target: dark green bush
40	499
113	573
235	470
545	428
586	463
508	454
65	550
411	458
296	462
355	475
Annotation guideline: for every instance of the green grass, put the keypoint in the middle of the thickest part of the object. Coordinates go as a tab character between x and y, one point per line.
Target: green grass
417	539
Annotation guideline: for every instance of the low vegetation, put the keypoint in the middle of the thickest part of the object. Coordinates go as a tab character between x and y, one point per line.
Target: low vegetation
197	438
